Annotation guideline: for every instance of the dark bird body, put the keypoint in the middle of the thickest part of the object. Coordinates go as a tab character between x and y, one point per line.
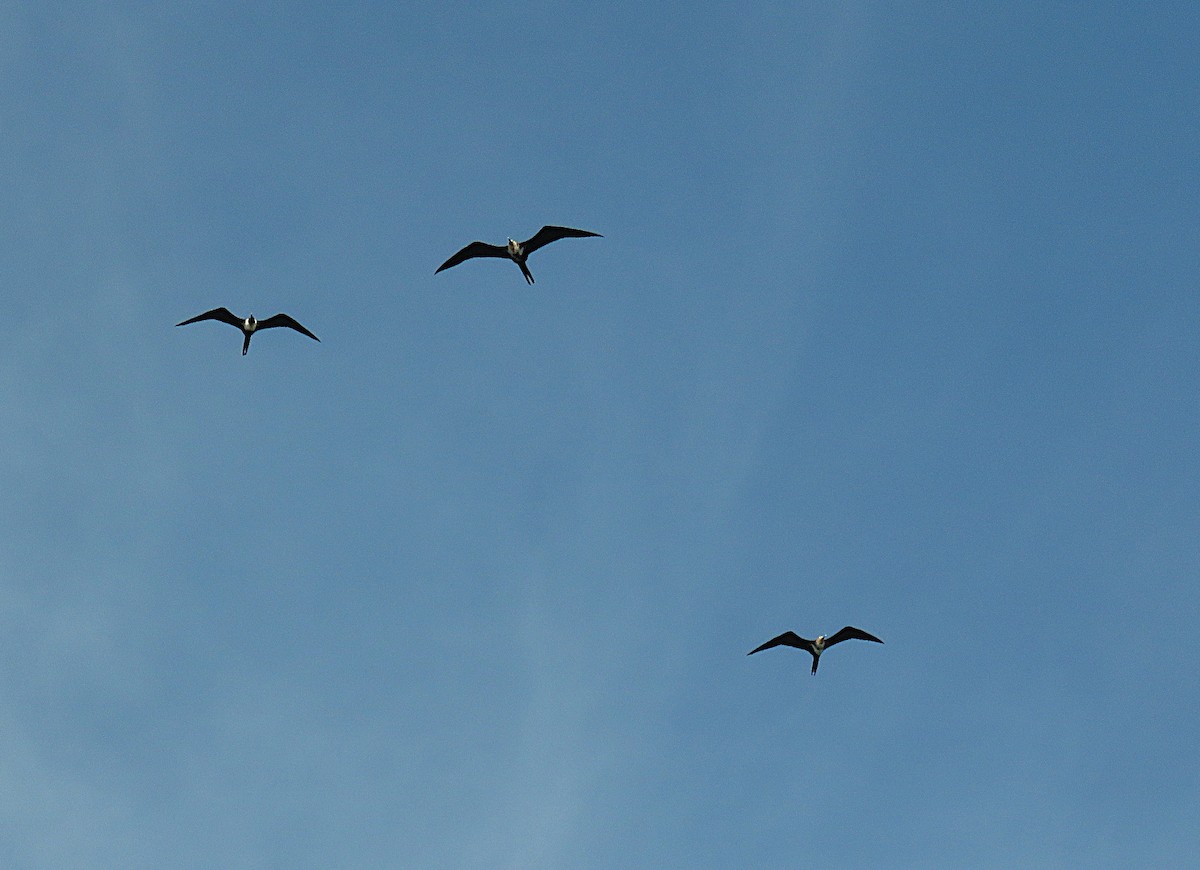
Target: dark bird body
249	325
818	646
518	252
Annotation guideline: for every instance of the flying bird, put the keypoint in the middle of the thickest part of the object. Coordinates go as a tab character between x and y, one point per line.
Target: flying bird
516	251
249	325
818	646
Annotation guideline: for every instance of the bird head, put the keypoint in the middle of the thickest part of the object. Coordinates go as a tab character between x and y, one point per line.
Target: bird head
514	247
251	322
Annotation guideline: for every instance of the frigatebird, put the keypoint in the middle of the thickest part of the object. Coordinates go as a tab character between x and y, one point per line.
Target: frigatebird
516	251
818	646
249	325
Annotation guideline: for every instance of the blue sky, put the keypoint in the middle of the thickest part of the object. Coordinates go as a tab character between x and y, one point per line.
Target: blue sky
893	324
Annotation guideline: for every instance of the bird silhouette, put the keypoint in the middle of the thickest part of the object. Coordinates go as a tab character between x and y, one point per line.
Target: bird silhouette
818	646
249	325
518	252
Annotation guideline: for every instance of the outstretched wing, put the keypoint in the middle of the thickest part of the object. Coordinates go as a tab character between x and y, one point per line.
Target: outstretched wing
850	633
222	314
475	249
788	638
284	320
546	235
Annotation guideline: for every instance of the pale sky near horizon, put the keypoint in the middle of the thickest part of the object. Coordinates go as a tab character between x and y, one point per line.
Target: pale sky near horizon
894	324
